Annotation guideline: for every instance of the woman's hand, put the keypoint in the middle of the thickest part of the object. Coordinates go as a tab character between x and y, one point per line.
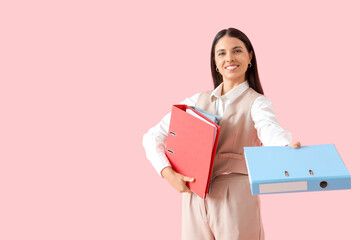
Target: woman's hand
176	180
295	144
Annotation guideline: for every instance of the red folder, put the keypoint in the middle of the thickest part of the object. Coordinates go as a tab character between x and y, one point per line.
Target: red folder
191	147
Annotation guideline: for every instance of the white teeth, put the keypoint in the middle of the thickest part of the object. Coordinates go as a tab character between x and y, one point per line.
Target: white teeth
231	67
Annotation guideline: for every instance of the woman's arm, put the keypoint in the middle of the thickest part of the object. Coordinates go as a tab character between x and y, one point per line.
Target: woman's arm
154	143
176	180
154	140
268	127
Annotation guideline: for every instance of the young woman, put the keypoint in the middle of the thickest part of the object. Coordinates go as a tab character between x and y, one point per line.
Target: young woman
248	119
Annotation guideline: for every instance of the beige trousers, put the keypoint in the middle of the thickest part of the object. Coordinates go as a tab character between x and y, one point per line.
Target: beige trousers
229	212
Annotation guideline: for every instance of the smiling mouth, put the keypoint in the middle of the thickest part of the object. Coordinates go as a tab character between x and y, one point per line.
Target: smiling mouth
232	67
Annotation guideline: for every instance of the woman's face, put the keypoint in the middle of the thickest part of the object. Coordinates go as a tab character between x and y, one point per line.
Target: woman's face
232	58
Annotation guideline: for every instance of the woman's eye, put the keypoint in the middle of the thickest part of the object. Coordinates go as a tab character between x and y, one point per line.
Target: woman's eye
220	54
237	51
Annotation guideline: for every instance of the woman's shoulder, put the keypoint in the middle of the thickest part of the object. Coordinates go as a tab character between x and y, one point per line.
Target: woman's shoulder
262	102
191	101
255	93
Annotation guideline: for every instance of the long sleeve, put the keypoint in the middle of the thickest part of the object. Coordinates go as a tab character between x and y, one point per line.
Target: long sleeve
268	127
154	140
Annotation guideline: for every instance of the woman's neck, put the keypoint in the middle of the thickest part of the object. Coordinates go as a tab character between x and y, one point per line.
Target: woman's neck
228	85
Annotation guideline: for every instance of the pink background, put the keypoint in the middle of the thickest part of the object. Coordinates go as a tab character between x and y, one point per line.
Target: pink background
82	81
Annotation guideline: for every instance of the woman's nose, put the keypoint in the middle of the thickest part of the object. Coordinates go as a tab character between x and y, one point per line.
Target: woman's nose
229	57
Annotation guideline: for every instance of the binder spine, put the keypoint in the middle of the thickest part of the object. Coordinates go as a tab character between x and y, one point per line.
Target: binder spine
298	185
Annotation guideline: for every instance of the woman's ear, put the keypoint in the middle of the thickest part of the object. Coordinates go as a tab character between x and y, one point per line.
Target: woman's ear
250	55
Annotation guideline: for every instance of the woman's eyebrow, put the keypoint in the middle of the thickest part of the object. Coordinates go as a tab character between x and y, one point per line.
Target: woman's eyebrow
232	48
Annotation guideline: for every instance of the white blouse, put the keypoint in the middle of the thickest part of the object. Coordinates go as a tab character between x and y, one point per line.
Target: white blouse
268	128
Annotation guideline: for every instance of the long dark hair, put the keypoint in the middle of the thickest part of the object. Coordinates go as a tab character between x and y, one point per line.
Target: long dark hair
251	75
